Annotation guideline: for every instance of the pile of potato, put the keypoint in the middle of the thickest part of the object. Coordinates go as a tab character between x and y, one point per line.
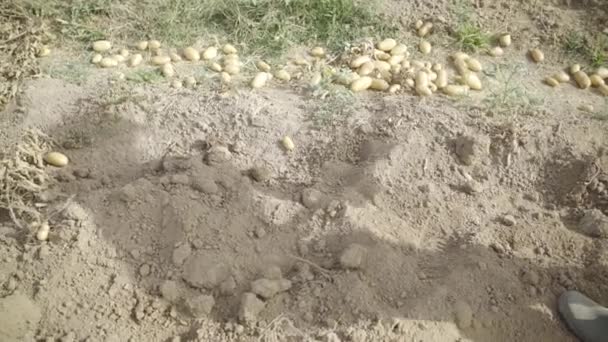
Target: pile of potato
581	78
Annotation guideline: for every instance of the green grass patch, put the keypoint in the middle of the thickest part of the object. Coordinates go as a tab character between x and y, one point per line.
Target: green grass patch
507	96
592	49
467	34
145	76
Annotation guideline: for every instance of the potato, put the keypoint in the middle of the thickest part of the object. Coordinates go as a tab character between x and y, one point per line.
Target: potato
360	84
382	66
603	89
154	45
461	66
504	40
288	143
379	84
176	84
460	55
42	234
432	75
56	159
410	82
96	58
456	90
442	78
124	52
358	61
381	55
135	60
210	53
282	75
582	79
472	80
422	79
395	69
496	51
167	70
551	81
102	45
301	61
425	47
399	50
575	68
226	78
141	45
561	77
424	91
160	60
406	64
602	72
215	67
396	60
118	58
424	30
191	54
473	64
318	52
232	68
366	69
259	80
418	24
229	49
537	55
394	88
190	81
175	57
108	62
387	44
433	87
44	51
596	80
262	66
417	64
346	78
436	67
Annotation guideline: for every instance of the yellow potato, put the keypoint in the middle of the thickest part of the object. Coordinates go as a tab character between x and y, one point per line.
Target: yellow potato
596	80
318	52
442	78
422	79
561	77
473	64
259	80
399	50
456	90
358	61
603	89
575	68
461	66
537	55
361	84
288	143
496	51
141	45
387	44
425	47
44	51
229	49
154	45
262	66
551	81
425	29
418	24
382	66
175	57
226	78
190	81
56	159
472	80
124	53
602	72
582	79
232	68
410	82
108	62
396	59
406	64
135	60
417	64
210	53
504	40
436	67
176	84
394	88
381	55
215	67
433	87
379	84
160	60
301	61
283	75
42	234
346	78
102	45
460	55
167	70
366	69
191	54
424	91
96	58
118	58
395	69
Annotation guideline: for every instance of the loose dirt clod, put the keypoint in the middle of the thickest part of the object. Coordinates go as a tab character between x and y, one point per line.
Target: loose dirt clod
464	314
594	223
250	307
353	256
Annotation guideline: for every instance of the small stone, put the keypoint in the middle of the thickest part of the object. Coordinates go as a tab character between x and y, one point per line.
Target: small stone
169	289
228	286
181	253
180	179
268	288
508	220
201	272
594	223
531	278
464	314
250	307
144	270
260	173
312	198
260	232
353	256
218	155
204	185
201	306
43	252
471	187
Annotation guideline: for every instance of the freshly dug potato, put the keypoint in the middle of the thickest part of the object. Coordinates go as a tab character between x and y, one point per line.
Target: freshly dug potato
96	58
582	79
422	84
358	61
135	60
425	29
160	60
396	60
425	47
167	70
346	78
318	52
191	54
382	66
44	51
442	78
602	72
456	90
473	64
496	51
190	81
504	40
603	89
262	66
154	45
366	69
102	45
259	80
387	44
562	77
381	55
461	66
361	84
575	68
210	53
226	78
394	88
232	68
108	62
596	80
124	52
399	50
229	49
379	84
175	57
215	67
472	80
282	75
143	45
118	58
56	159
288	143
537	55
551	81
42	234
177	84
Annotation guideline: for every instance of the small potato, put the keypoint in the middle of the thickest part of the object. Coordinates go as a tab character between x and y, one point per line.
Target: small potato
191	54
406	64
460	55
382	66
442	78
473	65
124	52
575	68
154	45
417	64
42	234
44	51
504	40
301	61
282	75
433	87
56	159
399	50
175	57
424	30
143	45
472	80
432	75
425	47
551	81
582	79
262	66
436	67
422	79
596	80
190	81
394	88
418	24
424	91
160	60
210	53
358	61
96	58
456	90
288	143
229	49
366	69
215	67
135	60
381	55
562	77
410	82
167	70
102	45
346	78
177	84
259	80
603	89
387	44
461	66
537	55
226	78
361	84
232	68
119	58
318	52
108	62
395	69
396	59
496	51
602	72
379	84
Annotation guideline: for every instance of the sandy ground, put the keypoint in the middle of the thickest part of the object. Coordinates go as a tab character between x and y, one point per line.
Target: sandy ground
183	218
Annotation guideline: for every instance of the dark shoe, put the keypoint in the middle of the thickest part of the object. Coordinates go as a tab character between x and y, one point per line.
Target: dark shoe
587	319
